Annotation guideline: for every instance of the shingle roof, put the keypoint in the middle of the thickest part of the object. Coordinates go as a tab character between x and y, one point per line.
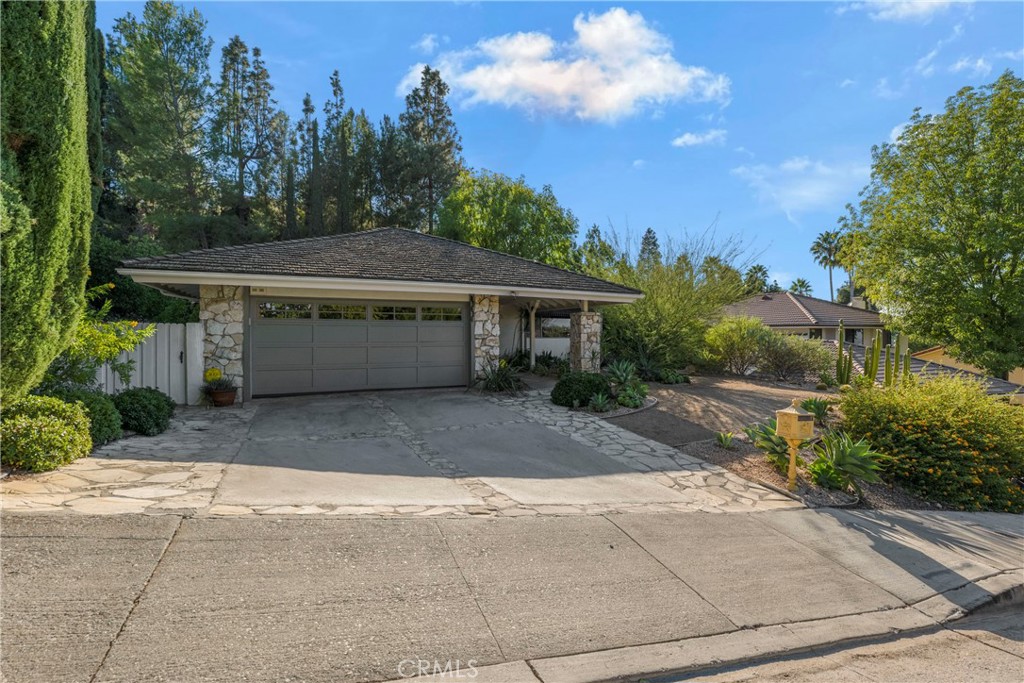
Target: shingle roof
922	368
787	309
381	254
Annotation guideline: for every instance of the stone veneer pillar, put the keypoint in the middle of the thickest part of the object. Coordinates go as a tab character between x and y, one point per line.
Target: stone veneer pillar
222	313
486	333
585	342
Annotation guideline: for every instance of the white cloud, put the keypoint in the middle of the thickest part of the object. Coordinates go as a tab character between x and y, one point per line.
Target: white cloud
847	82
976	67
884	90
616	65
638	164
715	136
925	65
800	184
427	44
920	11
744	150
1013	55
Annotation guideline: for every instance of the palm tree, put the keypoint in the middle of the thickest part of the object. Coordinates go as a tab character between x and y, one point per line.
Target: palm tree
825	250
756	279
801	286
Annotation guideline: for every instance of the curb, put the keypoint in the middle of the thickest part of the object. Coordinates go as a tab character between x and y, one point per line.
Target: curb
750	645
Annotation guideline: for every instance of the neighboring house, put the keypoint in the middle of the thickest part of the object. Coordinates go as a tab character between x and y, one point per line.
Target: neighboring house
937	354
810	317
380	309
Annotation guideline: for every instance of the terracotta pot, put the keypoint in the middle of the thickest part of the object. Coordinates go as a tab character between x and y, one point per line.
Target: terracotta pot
223	398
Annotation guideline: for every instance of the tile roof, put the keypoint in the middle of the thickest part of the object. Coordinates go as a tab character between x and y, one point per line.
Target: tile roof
381	254
787	309
922	368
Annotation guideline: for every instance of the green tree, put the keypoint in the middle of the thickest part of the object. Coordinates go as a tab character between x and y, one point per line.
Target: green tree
825	250
436	148
94	55
650	250
338	152
394	190
755	280
45	182
494	211
941	249
311	165
364	174
597	256
158	113
801	286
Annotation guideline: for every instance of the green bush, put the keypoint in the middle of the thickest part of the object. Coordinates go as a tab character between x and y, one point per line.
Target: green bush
104	420
843	464
144	410
629	397
673	377
734	343
789	358
947	440
41	433
500	378
576	389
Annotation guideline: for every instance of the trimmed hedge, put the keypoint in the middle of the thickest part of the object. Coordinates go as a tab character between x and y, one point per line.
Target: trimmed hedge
948	440
41	433
144	410
577	388
104	420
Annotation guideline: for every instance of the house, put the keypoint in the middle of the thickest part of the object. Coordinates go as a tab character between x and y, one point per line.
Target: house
380	309
937	354
810	317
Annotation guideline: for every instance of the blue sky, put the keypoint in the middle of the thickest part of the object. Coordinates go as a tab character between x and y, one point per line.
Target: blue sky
663	115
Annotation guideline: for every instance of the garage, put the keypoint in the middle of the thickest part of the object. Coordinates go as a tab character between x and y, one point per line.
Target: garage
315	346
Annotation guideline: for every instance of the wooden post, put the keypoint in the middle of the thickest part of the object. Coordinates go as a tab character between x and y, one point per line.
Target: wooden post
533	333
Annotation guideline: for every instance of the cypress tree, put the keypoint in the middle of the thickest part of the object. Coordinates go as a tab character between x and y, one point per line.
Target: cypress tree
94	85
46	185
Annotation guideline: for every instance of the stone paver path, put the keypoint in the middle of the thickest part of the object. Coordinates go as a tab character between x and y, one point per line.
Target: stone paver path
179	471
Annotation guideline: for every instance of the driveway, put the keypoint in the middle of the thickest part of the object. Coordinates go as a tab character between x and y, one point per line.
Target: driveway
439	452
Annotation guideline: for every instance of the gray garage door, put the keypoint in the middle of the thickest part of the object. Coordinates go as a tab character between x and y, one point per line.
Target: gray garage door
304	346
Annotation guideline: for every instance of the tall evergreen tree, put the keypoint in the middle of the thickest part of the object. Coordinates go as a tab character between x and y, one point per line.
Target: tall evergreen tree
94	56
337	145
364	189
46	205
158	74
436	148
394	192
650	251
311	168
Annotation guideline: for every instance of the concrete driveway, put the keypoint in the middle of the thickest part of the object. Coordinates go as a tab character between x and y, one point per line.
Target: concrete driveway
438	452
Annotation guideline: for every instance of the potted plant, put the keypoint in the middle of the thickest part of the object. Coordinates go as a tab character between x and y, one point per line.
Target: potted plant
220	390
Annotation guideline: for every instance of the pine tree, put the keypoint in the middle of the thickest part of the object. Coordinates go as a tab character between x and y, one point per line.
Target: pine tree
46	209
363	171
436	148
337	145
650	251
391	162
311	167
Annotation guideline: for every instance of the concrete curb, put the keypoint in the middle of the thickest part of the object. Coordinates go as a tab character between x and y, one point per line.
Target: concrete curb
748	645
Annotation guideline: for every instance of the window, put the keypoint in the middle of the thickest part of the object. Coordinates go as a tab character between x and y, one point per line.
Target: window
441	313
341	312
276	310
815	333
554	328
394	312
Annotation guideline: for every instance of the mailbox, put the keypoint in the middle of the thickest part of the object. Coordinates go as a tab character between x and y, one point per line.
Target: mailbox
794	423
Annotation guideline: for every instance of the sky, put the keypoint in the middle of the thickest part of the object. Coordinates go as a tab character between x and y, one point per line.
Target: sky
756	118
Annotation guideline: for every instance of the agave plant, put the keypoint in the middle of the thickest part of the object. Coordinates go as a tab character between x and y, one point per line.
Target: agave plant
764	436
621	372
844	464
600	402
818	407
724	440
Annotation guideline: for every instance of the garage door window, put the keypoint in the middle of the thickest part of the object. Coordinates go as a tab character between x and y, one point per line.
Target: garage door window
276	310
340	312
441	313
394	312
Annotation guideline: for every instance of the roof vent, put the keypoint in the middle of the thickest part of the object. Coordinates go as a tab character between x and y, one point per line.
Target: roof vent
766	297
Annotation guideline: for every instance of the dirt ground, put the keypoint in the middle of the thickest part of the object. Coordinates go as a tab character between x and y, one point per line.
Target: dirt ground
695	412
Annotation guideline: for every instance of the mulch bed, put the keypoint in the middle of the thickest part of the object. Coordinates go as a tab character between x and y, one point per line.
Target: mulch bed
745	460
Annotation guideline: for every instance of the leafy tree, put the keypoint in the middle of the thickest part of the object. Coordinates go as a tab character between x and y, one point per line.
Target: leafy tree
825	250
596	254
713	268
494	211
774	287
45	184
755	280
801	286
158	115
941	249
435	146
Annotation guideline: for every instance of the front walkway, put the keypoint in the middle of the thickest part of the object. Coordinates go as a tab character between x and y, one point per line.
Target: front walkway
448	454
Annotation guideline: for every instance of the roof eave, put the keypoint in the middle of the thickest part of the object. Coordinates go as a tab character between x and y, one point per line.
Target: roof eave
158	278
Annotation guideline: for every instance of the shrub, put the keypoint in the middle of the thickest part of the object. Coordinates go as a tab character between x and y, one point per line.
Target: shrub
144	410
724	440
600	403
775	448
104	420
499	377
41	433
735	343
946	439
629	398
576	388
673	377
843	464
789	358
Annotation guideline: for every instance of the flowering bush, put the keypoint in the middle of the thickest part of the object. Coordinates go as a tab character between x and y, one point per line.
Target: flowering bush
212	375
948	441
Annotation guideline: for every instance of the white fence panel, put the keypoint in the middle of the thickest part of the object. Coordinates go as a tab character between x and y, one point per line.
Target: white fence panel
171	360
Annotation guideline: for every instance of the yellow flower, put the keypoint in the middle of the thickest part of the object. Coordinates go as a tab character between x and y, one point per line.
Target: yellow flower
212	374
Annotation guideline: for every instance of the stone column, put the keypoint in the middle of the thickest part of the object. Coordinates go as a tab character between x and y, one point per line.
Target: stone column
486	333
585	342
223	314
